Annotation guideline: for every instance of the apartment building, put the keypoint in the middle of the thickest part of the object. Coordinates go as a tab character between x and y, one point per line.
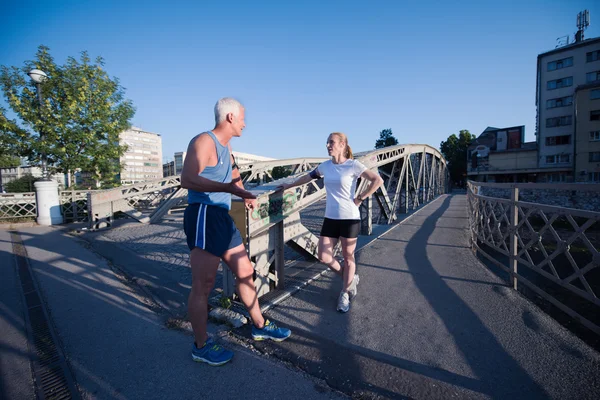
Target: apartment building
587	131
142	161
178	159
563	76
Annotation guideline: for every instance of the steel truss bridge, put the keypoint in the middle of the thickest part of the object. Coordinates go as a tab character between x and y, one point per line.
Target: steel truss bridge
414	174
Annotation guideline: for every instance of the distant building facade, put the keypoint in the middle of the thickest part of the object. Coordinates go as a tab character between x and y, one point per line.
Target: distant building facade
501	155
245	158
10	174
587	133
567	111
142	161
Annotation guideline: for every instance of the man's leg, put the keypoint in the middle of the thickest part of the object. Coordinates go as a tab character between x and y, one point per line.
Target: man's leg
238	262
204	269
325	254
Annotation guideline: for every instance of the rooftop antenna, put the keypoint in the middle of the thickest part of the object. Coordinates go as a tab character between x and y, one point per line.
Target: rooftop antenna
583	21
562	41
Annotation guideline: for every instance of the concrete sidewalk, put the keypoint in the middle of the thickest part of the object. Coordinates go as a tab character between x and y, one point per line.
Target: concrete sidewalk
431	322
117	345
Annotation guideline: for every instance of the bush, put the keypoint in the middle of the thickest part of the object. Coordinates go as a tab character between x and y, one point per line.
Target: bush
22	185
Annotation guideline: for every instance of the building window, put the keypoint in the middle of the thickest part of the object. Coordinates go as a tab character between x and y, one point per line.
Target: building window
594	156
558	140
558	121
558	159
592	56
594	177
557	177
595	115
595	94
594	136
560	83
559	64
592	76
560	102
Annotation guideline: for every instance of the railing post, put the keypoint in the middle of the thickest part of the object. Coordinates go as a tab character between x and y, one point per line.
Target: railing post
366	217
514	220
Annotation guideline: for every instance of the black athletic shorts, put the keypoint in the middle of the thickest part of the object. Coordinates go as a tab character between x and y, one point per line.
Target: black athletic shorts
335	228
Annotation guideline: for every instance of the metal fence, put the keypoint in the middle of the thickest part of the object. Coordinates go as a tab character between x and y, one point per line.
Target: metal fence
551	250
17	206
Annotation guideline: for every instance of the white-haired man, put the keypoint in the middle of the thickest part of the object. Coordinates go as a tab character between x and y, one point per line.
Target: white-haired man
211	177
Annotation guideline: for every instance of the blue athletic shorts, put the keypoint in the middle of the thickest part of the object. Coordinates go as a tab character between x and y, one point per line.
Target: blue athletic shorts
210	228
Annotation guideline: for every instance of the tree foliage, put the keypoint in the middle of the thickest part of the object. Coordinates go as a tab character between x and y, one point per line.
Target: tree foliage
81	115
386	139
280	172
454	150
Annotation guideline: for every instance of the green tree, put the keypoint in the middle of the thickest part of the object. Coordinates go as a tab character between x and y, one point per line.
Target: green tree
386	139
82	113
454	150
280	172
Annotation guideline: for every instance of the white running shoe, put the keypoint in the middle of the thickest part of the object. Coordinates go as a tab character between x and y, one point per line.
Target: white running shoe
353	285
343	302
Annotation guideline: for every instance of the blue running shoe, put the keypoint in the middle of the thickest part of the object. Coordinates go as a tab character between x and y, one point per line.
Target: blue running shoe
270	331
211	353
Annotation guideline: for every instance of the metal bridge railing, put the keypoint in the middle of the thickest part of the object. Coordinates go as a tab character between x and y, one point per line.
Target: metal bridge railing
17	205
551	250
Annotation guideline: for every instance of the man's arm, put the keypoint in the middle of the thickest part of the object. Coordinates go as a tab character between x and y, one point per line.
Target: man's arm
199	154
236	179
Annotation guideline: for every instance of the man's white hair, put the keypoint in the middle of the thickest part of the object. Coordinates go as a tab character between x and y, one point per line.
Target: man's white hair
225	106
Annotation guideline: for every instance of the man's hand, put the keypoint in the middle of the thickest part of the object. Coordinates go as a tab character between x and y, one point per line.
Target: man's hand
238	191
357	202
250	204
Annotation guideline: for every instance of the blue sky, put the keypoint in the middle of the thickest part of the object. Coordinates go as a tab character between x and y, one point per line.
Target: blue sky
304	69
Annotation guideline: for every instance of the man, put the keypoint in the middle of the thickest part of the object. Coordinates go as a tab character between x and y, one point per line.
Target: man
211	177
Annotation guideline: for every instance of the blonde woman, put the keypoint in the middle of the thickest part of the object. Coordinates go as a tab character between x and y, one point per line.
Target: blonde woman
342	217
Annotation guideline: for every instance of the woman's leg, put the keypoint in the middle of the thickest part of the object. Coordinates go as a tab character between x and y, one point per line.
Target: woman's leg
325	254
348	247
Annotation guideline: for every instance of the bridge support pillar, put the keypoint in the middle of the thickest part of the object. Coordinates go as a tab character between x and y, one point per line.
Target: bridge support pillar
48	203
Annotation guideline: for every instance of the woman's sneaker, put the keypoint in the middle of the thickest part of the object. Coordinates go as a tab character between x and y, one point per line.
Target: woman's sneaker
353	286
343	302
270	331
211	353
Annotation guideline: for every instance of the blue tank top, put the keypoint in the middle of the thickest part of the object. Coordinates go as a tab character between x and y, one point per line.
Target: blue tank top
219	173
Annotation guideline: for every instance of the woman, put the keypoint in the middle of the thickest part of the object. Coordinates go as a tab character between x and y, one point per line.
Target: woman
342	218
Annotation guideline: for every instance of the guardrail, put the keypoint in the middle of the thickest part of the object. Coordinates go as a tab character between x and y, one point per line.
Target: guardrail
551	250
17	205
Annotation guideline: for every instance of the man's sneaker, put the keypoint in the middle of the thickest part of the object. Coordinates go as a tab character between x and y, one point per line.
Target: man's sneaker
353	285
211	353
270	331
343	302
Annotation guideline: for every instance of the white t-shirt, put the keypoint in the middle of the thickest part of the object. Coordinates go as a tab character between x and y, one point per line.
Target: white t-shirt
340	183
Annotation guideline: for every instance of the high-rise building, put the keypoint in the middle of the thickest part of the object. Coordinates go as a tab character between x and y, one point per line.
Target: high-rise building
143	159
587	131
179	158
567	109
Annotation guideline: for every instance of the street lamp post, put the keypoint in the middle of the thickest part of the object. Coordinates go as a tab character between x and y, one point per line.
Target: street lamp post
38	77
46	190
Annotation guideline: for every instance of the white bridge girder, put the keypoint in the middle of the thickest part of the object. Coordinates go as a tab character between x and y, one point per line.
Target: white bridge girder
414	174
